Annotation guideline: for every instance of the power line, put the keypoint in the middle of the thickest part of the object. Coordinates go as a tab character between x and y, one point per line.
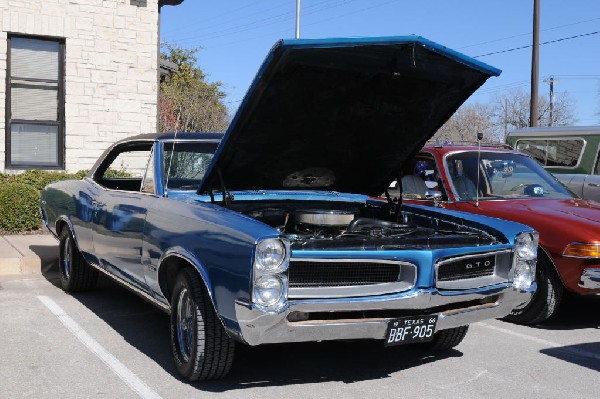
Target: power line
309	24
529	33
529	45
271	20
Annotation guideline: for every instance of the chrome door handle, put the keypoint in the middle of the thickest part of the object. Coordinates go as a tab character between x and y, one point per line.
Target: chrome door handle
593	184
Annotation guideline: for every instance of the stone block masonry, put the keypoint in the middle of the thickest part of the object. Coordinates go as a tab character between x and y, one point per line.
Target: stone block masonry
110	68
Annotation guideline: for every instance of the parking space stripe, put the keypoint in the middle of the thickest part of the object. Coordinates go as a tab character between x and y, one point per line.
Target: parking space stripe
544	342
133	381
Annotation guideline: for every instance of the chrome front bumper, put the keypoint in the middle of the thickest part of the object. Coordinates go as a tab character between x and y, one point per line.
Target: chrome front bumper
590	279
258	327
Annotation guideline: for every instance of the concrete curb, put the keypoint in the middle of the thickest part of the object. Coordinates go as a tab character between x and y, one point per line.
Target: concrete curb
27	254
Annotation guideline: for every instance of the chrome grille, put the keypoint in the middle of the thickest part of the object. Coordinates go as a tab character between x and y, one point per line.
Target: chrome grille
467	268
338	278
473	270
338	274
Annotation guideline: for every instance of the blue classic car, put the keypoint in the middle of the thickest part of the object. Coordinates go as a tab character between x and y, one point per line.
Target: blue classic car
277	231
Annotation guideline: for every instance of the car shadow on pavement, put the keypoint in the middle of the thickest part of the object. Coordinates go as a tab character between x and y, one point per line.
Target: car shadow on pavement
586	354
575	313
48	255
147	329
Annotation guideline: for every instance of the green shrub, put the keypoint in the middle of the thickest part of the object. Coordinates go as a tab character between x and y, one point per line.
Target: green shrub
19	207
39	178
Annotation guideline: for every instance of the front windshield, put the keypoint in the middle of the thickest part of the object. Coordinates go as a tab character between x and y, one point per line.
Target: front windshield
502	175
185	163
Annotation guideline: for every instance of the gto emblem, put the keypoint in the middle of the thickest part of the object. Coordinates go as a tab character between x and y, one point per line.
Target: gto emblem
476	265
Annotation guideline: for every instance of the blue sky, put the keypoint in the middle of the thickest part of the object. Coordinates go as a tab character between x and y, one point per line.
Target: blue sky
235	35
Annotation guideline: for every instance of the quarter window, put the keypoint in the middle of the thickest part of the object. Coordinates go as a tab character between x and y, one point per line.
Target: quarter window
563	152
35	103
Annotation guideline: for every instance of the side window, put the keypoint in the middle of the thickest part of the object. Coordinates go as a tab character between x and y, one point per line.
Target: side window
597	167
148	185
534	148
418	178
563	153
124	167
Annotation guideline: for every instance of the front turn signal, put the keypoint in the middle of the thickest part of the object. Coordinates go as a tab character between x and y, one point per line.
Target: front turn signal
582	250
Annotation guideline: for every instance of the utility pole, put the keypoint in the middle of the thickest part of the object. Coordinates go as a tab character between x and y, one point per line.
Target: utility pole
297	19
535	60
551	80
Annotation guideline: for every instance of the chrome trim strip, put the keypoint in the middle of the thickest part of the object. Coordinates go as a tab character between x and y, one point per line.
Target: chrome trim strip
496	278
590	278
403	284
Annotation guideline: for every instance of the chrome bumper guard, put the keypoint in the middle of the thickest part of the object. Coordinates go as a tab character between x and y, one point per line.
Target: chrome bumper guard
590	279
258	327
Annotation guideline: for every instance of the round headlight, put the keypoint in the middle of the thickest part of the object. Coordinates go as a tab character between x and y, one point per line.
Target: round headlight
524	275
268	290
526	247
270	254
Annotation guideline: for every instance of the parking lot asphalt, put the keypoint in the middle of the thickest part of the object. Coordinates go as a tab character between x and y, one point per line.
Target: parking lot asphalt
110	343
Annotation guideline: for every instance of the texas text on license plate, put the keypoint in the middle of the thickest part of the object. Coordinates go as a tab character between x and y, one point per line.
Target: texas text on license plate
410	329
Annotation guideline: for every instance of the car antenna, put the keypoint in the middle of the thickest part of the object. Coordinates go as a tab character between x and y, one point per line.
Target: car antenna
479	137
170	162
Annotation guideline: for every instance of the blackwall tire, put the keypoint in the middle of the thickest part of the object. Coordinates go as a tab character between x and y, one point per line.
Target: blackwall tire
545	300
75	273
447	339
201	348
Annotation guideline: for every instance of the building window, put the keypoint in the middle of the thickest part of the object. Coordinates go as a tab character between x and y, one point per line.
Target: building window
35	103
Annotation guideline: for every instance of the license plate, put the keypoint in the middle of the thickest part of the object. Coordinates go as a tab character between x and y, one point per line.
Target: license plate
412	329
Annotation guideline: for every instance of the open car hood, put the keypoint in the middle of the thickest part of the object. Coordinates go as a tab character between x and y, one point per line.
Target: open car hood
341	114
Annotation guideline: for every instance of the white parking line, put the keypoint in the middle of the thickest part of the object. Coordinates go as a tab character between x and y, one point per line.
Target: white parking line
544	342
134	382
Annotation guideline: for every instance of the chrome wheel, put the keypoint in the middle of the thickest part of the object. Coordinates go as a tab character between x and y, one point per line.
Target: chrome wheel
185	324
67	258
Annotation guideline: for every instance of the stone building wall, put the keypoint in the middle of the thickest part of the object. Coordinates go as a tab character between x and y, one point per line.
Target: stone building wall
110	68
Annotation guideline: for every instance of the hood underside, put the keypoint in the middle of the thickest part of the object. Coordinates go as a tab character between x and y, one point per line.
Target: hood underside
341	114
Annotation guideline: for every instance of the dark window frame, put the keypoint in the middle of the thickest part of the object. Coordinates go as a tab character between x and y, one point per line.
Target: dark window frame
60	123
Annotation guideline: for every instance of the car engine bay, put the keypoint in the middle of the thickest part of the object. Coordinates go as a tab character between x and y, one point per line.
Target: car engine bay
344	226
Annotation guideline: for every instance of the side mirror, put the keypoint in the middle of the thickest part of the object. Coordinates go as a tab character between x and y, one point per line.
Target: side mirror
433	194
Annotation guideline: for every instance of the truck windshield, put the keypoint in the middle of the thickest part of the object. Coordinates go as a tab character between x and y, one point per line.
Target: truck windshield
502	175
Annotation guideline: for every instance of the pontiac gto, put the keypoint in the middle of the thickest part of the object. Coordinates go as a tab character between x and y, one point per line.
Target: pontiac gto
275	233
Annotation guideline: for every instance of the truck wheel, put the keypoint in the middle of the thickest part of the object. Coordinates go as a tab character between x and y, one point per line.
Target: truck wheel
75	273
447	339
545	300
202	350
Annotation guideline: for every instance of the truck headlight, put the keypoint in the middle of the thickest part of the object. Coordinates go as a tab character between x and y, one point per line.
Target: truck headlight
270	283
525	260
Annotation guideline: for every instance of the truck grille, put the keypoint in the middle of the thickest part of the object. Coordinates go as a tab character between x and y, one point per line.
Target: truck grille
338	274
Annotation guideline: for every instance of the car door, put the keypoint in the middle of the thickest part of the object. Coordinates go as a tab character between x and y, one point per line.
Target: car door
120	212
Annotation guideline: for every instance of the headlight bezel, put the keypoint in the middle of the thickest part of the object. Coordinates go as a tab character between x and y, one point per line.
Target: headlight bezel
525	259
263	249
266	271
